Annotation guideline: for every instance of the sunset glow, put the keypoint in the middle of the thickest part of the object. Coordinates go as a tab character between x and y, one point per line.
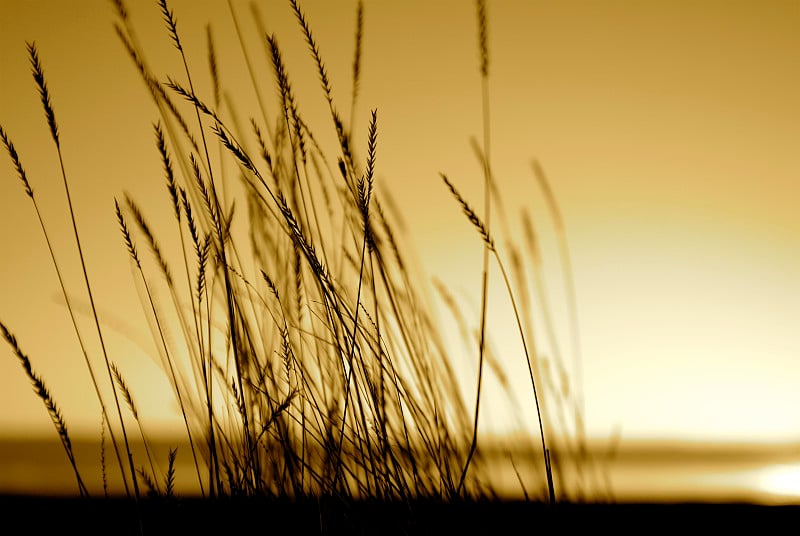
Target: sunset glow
669	133
782	481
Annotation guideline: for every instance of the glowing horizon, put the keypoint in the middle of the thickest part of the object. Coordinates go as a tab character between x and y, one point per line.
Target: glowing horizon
673	160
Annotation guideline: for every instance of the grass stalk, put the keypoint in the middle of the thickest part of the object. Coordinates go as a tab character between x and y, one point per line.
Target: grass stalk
487	197
38	75
489	243
167	356
52	409
70	309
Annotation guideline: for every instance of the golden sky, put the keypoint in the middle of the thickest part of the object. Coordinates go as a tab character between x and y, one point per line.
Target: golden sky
669	131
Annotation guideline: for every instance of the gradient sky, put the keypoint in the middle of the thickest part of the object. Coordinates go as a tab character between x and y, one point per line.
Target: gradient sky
670	132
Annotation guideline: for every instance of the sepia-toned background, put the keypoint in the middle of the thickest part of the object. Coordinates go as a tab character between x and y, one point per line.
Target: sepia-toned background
669	131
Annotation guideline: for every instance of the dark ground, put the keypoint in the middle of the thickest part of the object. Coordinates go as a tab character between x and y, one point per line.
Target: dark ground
43	515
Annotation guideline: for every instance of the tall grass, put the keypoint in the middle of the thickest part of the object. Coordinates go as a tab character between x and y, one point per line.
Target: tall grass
310	361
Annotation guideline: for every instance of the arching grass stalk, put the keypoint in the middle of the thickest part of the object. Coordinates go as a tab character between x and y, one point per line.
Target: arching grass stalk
38	75
52	409
70	309
489	243
518	273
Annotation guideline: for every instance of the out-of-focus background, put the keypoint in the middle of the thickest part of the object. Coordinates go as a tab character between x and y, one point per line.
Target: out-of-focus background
669	131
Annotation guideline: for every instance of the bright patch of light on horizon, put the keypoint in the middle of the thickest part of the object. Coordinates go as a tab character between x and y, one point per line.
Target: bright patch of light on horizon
781	480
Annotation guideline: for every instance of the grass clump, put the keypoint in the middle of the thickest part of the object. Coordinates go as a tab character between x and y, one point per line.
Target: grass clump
309	363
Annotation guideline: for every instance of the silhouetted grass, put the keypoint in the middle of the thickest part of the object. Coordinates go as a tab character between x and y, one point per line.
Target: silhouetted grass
309	363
